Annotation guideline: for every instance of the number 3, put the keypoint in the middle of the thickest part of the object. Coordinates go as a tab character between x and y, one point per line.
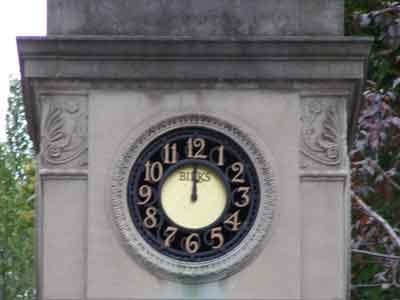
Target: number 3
245	199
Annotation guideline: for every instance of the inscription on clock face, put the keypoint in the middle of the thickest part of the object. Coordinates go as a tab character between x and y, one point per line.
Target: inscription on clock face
193	194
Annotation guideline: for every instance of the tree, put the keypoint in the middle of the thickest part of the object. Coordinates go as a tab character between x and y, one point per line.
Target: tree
16	204
18	142
376	155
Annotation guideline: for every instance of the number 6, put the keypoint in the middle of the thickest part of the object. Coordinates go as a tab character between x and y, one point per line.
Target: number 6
192	246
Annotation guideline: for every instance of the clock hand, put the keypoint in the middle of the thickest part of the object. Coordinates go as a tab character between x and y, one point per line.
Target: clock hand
194	186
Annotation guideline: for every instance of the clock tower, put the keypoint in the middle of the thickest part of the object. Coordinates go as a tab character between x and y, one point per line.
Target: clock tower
193	149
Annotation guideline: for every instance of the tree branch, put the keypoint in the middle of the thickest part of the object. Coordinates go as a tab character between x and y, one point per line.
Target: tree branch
387	177
395	9
389	229
375	254
31	198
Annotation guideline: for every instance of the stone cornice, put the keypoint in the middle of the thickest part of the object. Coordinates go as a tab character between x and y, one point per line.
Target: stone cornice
164	49
95	58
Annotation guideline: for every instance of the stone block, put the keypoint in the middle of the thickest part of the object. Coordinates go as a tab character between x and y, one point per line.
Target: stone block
196	19
63	235
275	272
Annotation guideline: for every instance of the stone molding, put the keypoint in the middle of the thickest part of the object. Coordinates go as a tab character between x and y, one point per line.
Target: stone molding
164	48
219	59
61	174
64	141
191	272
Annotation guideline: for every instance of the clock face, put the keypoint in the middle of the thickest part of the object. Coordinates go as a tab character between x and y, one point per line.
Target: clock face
193	194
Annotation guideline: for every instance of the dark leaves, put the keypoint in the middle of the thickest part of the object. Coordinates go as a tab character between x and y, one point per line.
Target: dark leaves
376	151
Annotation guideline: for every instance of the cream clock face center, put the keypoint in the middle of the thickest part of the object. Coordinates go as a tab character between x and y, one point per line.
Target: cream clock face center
193	196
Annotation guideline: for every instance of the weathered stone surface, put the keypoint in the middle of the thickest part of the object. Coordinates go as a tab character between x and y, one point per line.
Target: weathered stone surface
322	17
112	274
62	231
324	218
195	18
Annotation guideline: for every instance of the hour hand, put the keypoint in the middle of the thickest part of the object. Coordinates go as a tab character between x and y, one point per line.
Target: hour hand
194	185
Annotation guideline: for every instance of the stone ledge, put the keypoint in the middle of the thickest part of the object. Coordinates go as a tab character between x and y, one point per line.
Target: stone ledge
139	59
136	58
166	46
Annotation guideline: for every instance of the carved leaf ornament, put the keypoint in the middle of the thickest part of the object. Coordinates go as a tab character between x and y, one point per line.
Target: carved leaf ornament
64	133
320	134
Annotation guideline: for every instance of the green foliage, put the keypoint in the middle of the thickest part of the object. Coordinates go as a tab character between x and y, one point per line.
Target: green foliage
360	20
18	142
17	217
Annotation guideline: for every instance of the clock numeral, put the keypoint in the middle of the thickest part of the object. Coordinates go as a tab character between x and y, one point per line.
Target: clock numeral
233	220
170	153
245	198
145	192
154	171
217	155
150	221
221	155
199	144
192	243
217	237
170	232
238	168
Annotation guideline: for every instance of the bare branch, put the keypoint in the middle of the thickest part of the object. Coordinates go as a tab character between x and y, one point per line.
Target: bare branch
356	286
375	254
384	173
387	177
394	9
368	210
31	198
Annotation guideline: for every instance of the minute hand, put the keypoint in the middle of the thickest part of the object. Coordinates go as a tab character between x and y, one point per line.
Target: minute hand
194	185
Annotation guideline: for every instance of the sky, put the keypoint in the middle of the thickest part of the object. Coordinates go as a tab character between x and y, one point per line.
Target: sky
17	18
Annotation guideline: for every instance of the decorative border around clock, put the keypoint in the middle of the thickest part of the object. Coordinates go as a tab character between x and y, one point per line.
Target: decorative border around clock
192	272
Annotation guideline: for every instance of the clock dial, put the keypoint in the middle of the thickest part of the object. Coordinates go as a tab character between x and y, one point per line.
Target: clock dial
193	194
